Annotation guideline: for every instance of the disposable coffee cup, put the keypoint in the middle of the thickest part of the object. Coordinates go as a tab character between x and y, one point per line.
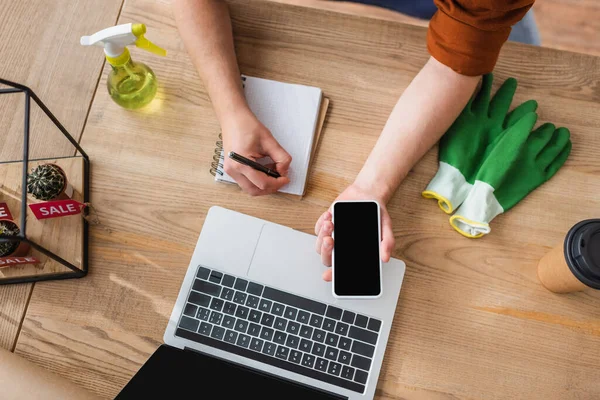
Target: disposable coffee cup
575	265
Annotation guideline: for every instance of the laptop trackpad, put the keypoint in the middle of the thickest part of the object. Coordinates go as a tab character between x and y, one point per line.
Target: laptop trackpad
286	259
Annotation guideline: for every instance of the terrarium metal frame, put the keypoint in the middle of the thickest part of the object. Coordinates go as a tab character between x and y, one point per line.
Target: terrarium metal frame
75	272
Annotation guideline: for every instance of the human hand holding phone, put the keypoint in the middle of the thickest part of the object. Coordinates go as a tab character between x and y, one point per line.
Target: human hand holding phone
324	228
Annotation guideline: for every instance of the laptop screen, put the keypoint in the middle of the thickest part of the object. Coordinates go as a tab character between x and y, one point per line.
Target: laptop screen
175	373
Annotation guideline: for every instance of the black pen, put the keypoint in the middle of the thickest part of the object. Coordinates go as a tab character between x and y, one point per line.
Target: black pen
253	164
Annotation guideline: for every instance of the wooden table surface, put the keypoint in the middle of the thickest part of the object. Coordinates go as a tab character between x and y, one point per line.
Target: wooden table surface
472	321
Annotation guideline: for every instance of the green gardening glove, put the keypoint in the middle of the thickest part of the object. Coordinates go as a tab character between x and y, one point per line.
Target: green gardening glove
465	145
518	163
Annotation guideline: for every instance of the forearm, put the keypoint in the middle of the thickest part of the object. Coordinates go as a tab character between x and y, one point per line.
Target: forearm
426	109
205	28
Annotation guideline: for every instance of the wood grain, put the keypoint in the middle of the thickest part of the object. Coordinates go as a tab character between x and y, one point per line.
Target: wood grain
473	322
40	48
62	236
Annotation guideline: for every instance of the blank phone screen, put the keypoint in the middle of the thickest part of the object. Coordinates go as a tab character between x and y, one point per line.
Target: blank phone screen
356	259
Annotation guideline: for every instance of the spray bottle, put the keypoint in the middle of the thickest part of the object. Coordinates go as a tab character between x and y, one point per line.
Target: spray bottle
130	84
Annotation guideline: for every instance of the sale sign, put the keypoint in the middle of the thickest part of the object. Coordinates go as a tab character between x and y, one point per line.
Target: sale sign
57	208
5	212
10	261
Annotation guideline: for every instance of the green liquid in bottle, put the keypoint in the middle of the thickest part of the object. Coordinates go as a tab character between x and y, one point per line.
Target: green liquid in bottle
132	85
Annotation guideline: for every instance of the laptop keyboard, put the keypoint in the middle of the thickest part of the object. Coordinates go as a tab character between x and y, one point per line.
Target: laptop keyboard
280	329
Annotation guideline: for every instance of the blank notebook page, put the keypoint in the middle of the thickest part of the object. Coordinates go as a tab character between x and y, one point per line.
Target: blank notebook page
291	113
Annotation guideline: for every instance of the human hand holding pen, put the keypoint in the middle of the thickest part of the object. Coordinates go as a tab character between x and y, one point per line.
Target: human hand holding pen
247	136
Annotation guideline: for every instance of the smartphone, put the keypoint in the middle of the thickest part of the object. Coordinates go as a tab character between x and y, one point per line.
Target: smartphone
356	262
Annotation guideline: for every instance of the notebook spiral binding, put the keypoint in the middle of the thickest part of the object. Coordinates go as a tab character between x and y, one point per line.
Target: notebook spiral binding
216	167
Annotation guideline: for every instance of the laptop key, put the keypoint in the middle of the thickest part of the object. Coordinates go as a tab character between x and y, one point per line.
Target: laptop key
215	277
374	324
216	304
256	345
292	341
293	327
218	332
278	309
255	289
347	372
190	310
241	325
228	280
344	357
332	339
252	301
294	301
362	334
227	294
345	343
280	323
308	360
199	299
290	313
360	376
243	340
205	328
279	337
203	314
363	349
306	331
229	308
316	321
334	368
305	345
240	284
203	273
361	362
206	287
253	329
190	324
242	312
215	318
303	317
329	325
254	316
230	336
331	353
266	333
334	312
239	297
265	305
269	348
318	349
361	321
321	364
267	320
348	317
282	352
341	328
295	357
228	322
318	336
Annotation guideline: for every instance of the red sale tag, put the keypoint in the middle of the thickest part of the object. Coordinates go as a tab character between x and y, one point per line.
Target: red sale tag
57	208
5	212
10	261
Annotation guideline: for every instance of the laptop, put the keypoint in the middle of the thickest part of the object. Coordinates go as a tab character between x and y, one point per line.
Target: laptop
254	319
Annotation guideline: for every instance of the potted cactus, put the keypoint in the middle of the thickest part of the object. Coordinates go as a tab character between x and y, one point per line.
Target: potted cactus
19	249
48	182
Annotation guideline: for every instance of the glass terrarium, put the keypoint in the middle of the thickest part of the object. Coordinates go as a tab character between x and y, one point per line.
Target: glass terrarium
44	190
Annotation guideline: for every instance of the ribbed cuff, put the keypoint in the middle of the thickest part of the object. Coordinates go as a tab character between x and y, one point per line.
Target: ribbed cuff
473	217
449	187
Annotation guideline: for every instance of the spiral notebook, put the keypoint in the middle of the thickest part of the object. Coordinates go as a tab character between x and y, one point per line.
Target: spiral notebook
294	114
